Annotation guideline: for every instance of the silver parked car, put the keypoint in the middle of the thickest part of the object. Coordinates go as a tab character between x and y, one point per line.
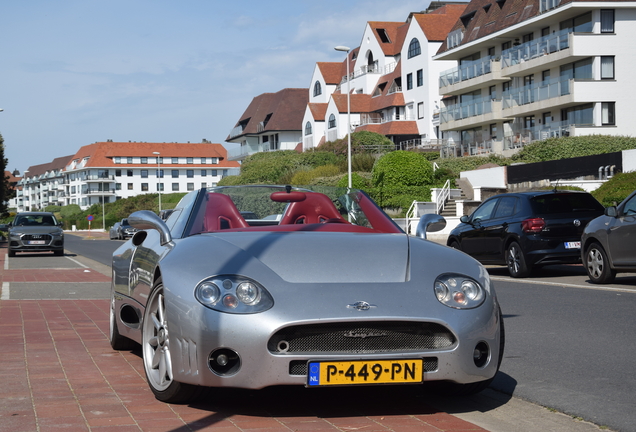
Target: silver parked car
35	232
331	293
608	245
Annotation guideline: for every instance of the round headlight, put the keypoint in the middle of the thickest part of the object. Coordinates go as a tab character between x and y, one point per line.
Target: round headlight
458	291
471	290
441	291
208	293
248	293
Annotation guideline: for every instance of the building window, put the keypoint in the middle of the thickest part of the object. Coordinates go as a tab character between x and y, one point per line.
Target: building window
117	159
215	160
175	160
190	186
409	81
308	128
607	67
144	160
420	110
175	173
144	173
144	187
204	185
117	186
190	173
159	187
317	89
175	187
607	20
129	160
159	159
414	48
130	186
204	160
420	78
204	173
190	160
493	131
332	121
214	173
117	173
607	113
129	173
159	173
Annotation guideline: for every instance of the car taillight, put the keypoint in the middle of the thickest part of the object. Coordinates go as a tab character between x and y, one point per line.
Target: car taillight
534	225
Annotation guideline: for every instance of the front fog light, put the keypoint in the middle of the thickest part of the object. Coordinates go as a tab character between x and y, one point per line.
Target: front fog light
458	291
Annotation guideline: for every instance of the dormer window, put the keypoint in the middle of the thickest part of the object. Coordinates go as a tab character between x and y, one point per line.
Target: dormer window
414	48
384	37
379	89
466	19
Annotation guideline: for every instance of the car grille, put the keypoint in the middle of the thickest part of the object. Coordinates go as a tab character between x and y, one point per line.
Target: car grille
361	338
299	367
39	237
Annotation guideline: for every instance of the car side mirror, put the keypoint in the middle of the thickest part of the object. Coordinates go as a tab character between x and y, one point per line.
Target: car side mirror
611	211
429	222
464	219
145	219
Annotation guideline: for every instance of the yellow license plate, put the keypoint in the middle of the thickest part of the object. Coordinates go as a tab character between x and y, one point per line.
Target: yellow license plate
364	372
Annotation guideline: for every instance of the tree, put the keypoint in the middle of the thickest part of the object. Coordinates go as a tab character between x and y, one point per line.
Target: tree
6	193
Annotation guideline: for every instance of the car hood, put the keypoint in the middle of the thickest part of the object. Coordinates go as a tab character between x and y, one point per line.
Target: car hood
321	257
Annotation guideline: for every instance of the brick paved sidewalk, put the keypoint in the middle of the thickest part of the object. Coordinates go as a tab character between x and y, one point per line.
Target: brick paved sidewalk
60	373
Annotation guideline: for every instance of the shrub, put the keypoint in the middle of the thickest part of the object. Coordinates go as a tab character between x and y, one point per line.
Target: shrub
357	182
569	147
402	168
616	189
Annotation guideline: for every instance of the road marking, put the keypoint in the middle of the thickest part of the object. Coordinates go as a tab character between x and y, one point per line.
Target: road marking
6	262
77	262
5	291
595	287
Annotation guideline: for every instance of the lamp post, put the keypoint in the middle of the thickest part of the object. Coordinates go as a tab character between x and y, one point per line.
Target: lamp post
347	49
159	176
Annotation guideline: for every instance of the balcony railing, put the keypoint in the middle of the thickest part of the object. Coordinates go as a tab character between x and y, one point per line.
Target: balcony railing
539	133
368	69
238	130
98	192
466	71
103	177
472	148
536	48
536	92
464	110
377	118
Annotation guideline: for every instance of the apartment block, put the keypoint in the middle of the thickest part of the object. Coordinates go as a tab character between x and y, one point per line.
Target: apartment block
527	70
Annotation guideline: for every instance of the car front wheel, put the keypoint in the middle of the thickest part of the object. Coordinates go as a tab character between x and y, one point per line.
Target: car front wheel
157	355
516	261
597	265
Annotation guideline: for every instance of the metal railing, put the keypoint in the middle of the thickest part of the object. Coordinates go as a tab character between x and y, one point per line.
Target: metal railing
479	106
466	71
443	196
536	92
536	48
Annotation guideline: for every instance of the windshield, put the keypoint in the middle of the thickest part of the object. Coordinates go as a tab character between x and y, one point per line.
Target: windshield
35	220
281	208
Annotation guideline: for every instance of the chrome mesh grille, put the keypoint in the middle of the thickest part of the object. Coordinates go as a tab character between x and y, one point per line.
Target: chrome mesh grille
299	367
361	338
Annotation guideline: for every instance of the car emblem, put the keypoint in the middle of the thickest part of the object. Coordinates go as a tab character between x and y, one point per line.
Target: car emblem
361	306
360	335
577	222
36	236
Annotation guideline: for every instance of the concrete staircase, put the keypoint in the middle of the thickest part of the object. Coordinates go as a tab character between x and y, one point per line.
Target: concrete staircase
450	208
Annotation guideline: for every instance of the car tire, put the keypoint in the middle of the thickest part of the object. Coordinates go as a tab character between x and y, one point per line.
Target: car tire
516	261
117	341
59	252
454	389
156	352
597	265
455	245
11	253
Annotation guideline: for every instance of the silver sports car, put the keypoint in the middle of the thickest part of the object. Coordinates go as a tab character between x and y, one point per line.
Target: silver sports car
331	293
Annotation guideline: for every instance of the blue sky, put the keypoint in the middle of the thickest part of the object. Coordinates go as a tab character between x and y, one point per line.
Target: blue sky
75	72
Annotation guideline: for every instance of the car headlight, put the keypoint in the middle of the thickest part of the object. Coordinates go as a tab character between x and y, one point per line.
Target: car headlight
233	294
459	291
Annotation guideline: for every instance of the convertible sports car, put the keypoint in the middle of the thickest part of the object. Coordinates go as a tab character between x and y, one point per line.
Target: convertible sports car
332	292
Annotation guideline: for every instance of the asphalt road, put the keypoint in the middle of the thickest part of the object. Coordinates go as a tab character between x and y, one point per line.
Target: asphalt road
570	344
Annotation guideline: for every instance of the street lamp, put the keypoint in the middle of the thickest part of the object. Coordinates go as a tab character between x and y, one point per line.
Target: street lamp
159	176
347	49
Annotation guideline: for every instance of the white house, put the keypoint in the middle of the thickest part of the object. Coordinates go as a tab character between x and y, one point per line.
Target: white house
530	70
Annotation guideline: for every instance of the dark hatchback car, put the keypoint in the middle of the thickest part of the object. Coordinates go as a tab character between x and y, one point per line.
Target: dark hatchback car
608	242
527	229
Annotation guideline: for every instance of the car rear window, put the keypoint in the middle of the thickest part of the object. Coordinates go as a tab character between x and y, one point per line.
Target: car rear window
565	203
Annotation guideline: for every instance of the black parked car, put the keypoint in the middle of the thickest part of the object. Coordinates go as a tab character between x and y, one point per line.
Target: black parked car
527	229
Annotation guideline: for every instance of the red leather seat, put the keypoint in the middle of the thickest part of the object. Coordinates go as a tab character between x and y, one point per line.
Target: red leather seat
221	213
315	208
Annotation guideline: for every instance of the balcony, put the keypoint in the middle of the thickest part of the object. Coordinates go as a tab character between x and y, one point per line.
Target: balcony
379	118
243	151
471	76
238	130
99	178
469	114
98	192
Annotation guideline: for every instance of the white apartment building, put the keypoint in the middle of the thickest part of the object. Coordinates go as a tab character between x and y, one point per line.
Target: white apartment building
108	171
392	80
535	69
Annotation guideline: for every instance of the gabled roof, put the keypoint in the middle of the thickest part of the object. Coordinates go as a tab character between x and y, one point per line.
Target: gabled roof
331	72
395	35
392	128
318	111
360	103
438	23
101	154
386	100
280	111
56	164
